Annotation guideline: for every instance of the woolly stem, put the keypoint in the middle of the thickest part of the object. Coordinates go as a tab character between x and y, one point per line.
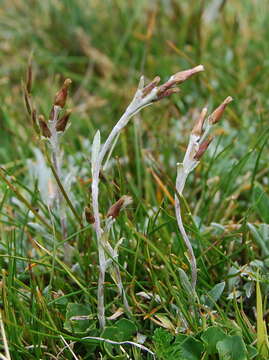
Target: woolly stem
56	160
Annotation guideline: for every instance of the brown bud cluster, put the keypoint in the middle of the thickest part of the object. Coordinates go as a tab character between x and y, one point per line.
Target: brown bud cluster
61	96
168	88
45	131
213	119
118	206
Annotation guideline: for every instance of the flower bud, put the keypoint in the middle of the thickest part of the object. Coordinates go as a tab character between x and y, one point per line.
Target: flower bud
198	126
118	206
45	131
202	148
176	79
217	114
182	76
61	96
62	122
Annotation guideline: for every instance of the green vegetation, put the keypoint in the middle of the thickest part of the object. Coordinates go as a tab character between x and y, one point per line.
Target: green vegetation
49	281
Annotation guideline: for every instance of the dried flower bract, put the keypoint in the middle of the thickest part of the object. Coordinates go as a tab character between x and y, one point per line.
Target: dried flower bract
45	131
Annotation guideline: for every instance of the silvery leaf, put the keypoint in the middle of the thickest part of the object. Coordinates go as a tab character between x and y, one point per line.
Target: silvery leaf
95	149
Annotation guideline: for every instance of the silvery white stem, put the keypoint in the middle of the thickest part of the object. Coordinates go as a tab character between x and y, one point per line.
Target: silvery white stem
121	288
183	170
56	159
138	103
100	297
192	258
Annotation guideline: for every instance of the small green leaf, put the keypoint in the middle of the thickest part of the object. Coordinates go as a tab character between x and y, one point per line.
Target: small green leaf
122	330
214	294
232	348
185	282
125	329
210	337
162	342
189	347
261	202
261	236
77	318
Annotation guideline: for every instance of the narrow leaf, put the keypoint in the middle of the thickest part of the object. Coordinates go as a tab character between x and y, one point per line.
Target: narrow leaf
95	148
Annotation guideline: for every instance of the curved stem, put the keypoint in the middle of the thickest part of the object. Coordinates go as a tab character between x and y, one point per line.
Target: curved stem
101	300
187	242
